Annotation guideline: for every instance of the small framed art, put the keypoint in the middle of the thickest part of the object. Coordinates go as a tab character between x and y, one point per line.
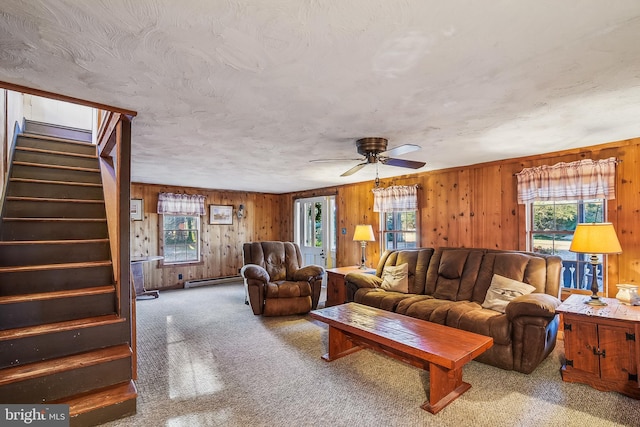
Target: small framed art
136	210
220	214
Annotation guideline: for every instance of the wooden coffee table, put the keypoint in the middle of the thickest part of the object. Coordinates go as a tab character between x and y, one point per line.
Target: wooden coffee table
441	350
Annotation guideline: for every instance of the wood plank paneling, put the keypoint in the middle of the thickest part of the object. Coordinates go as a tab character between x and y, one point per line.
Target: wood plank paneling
469	206
221	244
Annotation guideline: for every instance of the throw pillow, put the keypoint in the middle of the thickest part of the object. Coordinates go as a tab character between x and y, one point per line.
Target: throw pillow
396	278
502	291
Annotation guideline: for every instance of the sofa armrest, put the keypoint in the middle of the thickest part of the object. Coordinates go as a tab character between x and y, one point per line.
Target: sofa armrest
534	305
363	280
308	273
255	272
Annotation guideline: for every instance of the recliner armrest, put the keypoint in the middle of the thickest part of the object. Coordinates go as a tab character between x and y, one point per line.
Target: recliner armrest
255	272
308	273
536	305
363	280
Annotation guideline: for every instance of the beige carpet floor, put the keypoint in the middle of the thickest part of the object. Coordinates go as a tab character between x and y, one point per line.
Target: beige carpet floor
206	360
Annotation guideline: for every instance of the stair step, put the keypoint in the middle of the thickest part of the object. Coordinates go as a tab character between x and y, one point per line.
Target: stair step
29	282
61	167
103	405
53	228
40	342
31	207
17	311
69	325
57	143
60	266
48	157
65	377
54	189
31	252
61	153
55	173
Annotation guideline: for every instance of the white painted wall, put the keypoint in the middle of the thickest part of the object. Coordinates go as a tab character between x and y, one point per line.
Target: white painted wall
57	112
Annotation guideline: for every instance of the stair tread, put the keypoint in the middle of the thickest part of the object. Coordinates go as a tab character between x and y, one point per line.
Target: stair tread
49	199
46	165
100	398
68	293
56	219
58	266
52	138
48	181
29	331
63	364
50	242
60	153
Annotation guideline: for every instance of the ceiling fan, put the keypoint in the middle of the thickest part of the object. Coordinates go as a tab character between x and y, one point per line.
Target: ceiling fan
374	150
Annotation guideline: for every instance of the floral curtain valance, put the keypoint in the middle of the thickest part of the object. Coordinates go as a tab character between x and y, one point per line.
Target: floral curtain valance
584	179
398	198
181	204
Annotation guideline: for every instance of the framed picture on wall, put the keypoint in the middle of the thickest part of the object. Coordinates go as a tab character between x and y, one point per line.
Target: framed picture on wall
136	210
220	214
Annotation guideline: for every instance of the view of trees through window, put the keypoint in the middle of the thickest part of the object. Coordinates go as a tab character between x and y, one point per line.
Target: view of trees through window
552	228
181	238
400	230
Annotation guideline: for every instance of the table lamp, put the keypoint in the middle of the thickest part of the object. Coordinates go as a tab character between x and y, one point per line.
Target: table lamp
595	238
363	234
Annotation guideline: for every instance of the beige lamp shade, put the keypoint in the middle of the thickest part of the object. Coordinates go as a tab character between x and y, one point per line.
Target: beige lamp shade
364	233
595	238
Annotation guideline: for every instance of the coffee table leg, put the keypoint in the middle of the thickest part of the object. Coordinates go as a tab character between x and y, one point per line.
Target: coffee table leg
339	345
445	386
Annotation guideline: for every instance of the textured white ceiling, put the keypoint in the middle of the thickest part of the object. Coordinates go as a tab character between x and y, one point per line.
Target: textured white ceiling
242	94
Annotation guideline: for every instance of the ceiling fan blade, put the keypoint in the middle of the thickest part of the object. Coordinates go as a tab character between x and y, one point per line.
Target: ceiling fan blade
334	160
402	163
402	149
354	169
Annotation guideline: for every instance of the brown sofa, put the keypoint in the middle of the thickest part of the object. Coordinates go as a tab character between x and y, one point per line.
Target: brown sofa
449	286
277	283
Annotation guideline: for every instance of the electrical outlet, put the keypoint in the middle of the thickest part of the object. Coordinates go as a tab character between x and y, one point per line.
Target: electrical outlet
179	276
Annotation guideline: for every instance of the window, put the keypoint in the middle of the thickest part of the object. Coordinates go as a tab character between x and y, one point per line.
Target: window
550	231
180	238
400	231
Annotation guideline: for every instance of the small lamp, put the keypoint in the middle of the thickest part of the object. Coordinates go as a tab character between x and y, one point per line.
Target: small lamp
364	234
240	212
595	238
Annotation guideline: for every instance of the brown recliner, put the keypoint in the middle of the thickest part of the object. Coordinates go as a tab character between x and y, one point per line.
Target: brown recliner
277	283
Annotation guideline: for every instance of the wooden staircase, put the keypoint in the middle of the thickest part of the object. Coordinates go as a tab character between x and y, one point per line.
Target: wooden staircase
63	338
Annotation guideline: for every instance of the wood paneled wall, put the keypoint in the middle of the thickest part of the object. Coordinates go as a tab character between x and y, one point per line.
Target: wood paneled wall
470	206
221	244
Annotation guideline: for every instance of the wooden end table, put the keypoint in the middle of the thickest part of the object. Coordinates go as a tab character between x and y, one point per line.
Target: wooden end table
601	344
441	350
336	291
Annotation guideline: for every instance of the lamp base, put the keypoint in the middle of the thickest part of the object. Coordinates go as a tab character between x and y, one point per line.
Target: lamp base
595	300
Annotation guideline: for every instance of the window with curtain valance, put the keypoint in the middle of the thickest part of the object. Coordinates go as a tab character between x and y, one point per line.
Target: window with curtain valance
559	197
180	227
583	179
398	207
181	204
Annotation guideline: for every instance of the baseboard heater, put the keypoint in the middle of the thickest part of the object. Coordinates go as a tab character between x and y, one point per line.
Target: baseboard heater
207	282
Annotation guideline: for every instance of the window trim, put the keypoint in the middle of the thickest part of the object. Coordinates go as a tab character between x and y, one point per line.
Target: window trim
384	231
529	233
164	262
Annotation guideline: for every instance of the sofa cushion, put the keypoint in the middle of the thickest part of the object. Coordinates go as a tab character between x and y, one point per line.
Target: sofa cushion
431	309
470	316
453	272
502	291
379	298
284	289
396	278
